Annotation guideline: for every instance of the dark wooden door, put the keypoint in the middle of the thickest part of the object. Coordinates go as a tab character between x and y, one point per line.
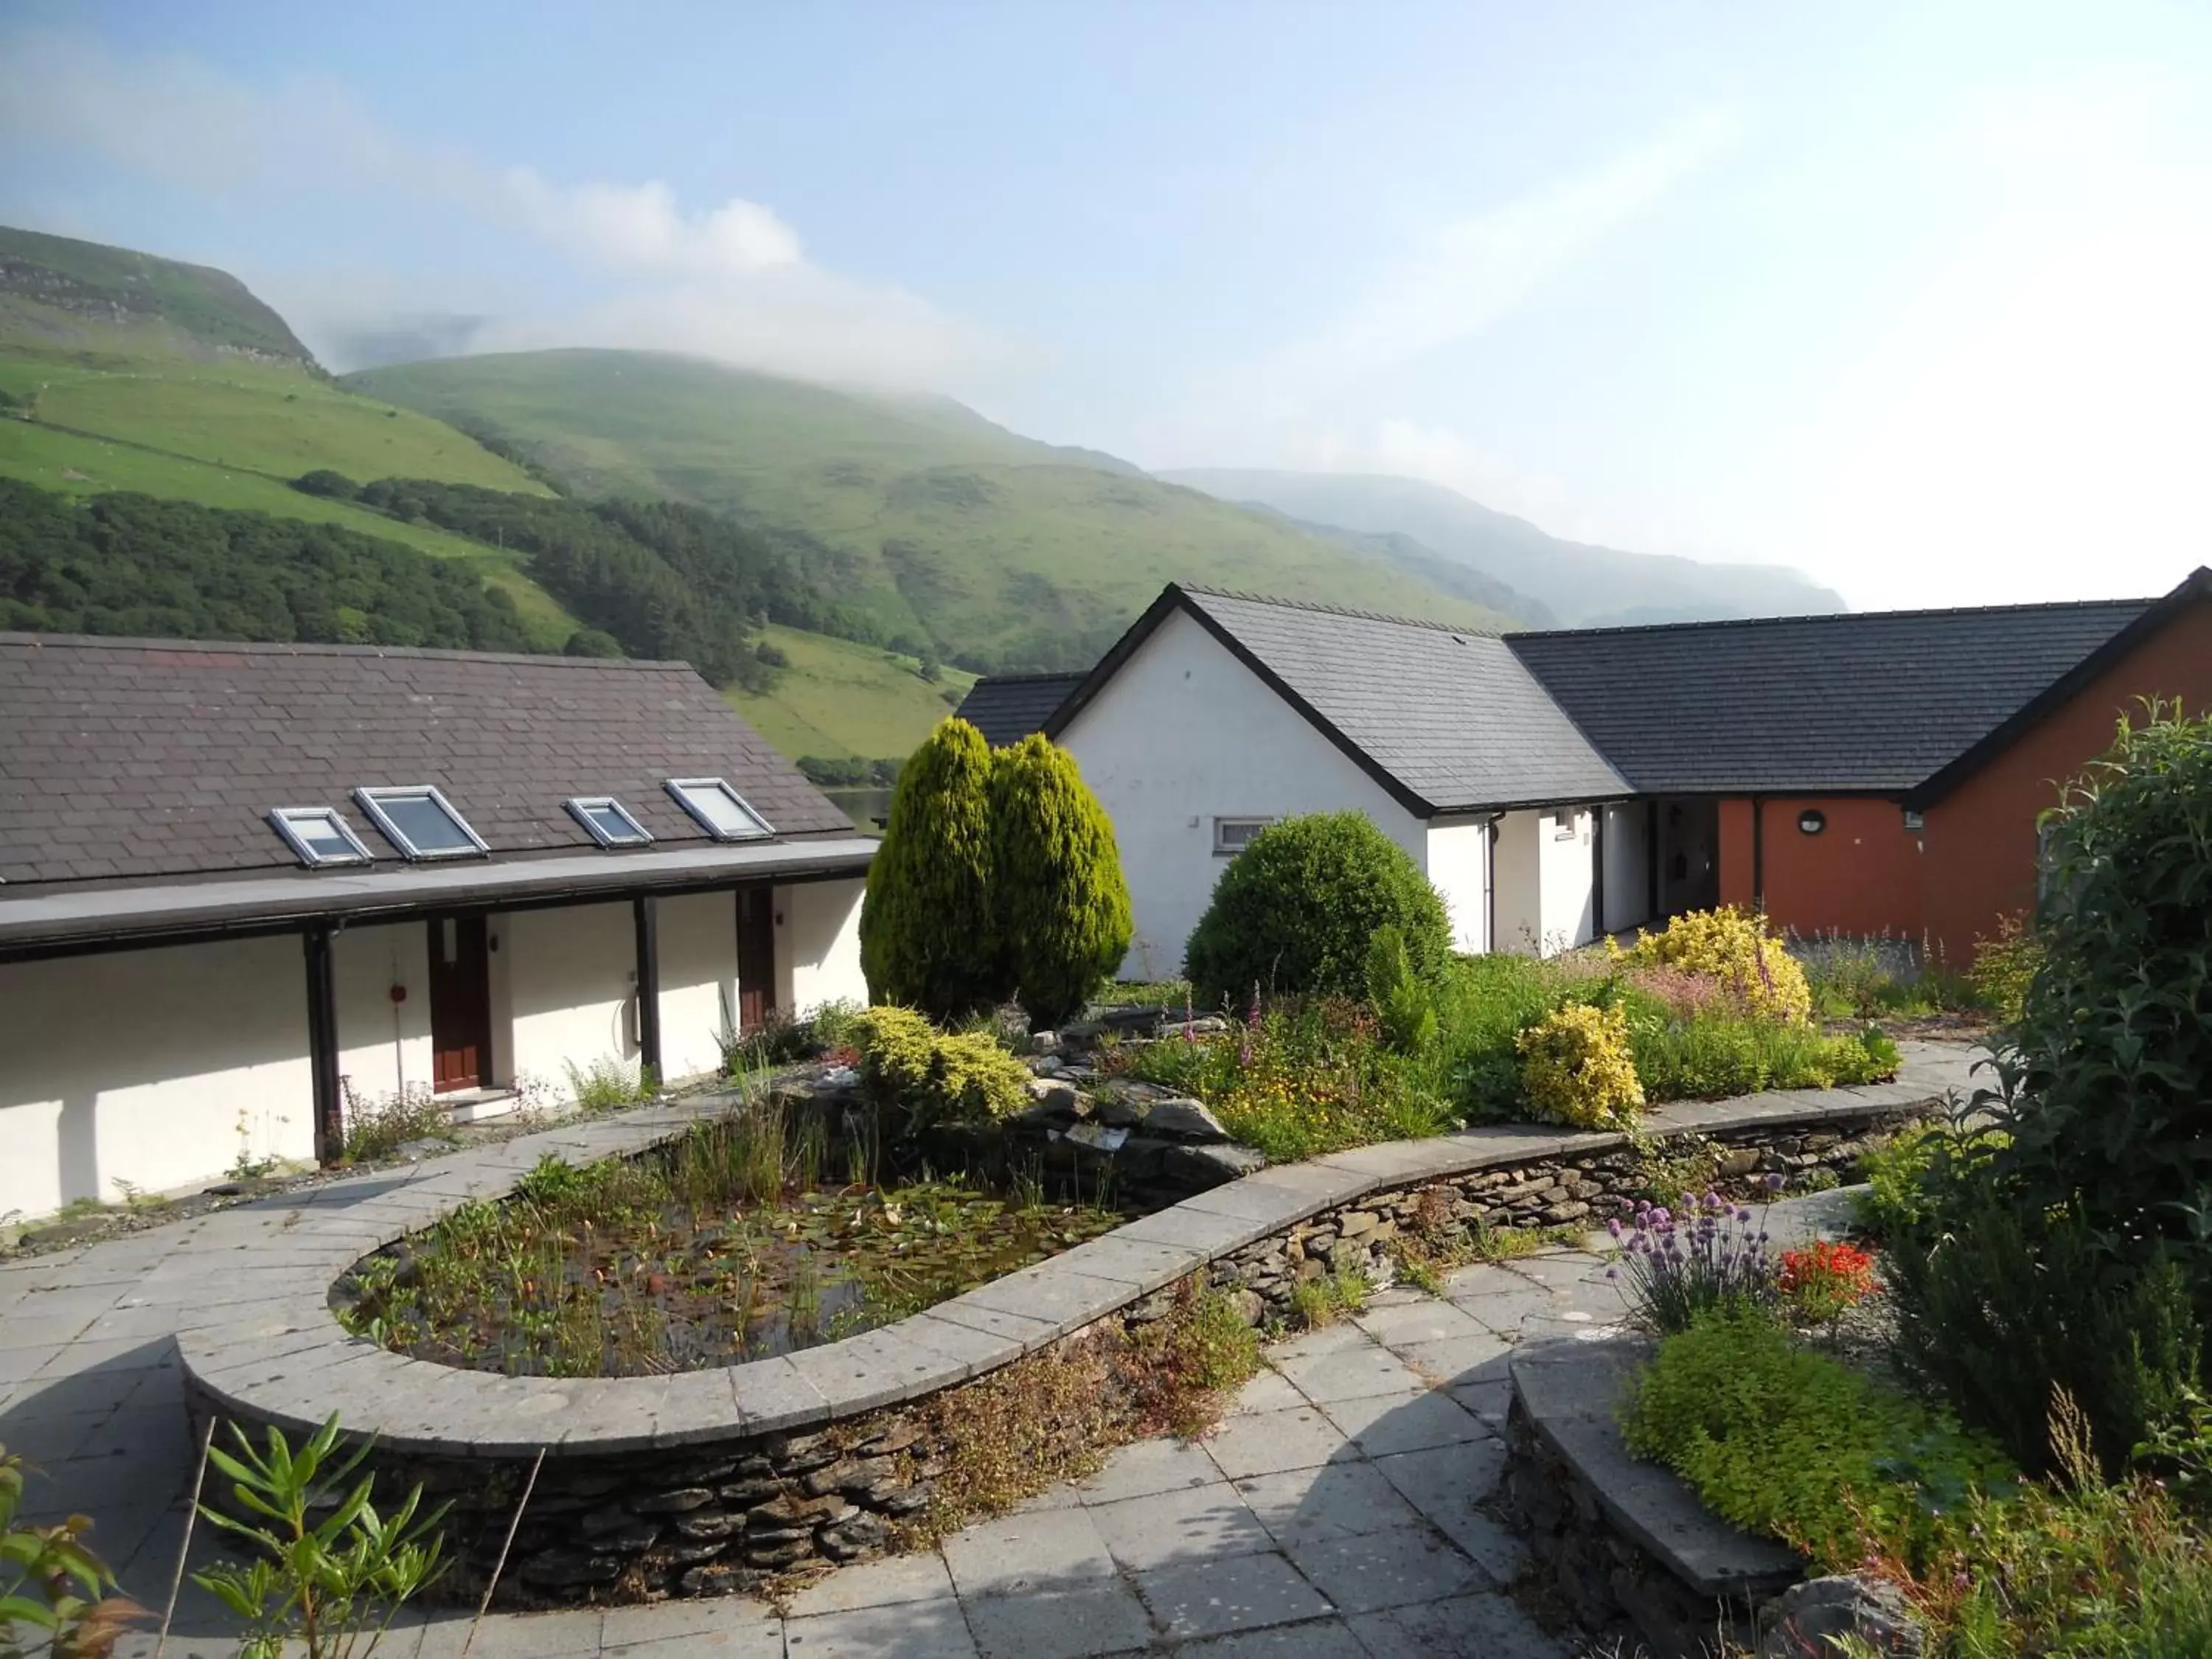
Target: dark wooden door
460	1004
756	957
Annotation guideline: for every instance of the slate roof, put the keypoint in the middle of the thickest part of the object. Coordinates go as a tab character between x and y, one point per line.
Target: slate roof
1007	707
1446	719
132	759
1877	701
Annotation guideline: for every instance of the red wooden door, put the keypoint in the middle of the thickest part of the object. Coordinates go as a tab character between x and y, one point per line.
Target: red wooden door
460	1004
756	957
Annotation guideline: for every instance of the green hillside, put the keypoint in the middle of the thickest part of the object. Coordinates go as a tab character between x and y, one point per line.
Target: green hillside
88	294
838	699
119	371
939	529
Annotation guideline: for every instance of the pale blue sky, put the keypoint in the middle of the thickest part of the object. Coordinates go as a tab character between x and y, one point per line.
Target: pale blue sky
1912	297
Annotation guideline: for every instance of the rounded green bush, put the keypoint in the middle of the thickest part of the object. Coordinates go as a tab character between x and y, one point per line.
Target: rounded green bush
926	935
1060	905
1296	910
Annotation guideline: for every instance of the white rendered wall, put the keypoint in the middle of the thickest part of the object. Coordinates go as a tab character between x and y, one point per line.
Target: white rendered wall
1627	867
1185	734
1518	877
159	1068
818	945
1459	868
383	1047
1567	883
570	975
698	940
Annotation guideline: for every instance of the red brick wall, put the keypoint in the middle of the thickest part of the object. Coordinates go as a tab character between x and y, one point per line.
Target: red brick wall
1861	874
1980	862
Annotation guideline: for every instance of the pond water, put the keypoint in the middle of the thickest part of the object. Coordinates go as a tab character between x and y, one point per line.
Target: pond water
712	1252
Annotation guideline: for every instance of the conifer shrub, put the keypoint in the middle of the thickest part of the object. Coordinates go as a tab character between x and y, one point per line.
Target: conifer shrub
1297	911
926	935
1733	946
1060	905
964	1078
1575	1068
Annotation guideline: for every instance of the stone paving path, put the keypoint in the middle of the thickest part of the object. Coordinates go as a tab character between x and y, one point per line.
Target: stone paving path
1334	1513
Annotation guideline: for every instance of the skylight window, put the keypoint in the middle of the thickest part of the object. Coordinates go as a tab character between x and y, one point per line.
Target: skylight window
421	823
608	821
319	835
721	811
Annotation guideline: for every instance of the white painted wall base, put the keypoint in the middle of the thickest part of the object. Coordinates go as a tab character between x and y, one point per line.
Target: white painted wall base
159	1070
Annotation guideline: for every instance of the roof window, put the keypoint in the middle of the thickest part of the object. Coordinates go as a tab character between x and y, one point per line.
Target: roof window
421	823
608	821
720	811
319	834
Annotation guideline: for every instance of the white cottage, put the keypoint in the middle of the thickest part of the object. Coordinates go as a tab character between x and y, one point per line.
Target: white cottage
1218	713
242	886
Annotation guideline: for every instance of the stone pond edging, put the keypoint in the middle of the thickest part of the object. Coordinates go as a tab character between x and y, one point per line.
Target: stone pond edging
707	1481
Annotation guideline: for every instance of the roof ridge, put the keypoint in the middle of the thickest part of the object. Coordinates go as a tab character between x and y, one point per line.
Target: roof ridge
328	648
1336	609
2046	606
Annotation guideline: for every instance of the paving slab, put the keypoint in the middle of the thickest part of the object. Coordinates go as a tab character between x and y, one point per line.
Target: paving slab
924	1629
893	1582
1334	1500
1265	1442
1148	1466
1366	1369
1077	1621
1021	1554
1365	1571
1324	1638
1191	1523
1243	1592
1477	1626
1383	1424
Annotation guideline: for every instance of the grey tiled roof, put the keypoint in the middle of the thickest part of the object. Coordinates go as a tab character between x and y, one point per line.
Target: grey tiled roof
139	758
1877	700
1449	713
1007	707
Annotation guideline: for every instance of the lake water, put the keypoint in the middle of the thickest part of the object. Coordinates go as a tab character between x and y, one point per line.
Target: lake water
867	808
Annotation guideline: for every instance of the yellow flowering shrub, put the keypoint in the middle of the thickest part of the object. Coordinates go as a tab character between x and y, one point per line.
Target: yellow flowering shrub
960	1079
1575	1068
1731	945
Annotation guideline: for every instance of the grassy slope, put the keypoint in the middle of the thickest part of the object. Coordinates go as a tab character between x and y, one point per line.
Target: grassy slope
838	699
931	519
124	406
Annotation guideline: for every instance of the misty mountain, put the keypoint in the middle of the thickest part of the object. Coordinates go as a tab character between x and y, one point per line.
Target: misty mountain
1454	576
1585	587
65	292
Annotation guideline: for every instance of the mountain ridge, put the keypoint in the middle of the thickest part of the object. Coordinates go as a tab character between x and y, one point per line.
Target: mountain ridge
1583	584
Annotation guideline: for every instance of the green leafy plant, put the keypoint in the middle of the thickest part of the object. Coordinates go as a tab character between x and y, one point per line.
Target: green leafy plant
1800	1447
607	1085
2004	967
1909	1176
328	1568
379	1128
1060	906
1315	1303
1296	911
927	939
1404	1002
57	1597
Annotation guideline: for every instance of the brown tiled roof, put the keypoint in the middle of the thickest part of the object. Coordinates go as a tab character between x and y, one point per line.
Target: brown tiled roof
136	758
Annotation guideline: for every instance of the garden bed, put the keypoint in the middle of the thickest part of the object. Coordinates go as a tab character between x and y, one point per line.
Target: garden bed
732	1242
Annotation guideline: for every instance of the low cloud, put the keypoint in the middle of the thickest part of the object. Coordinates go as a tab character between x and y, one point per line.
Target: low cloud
730	280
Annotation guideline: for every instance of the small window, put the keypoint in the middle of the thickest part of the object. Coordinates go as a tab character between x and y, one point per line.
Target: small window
1563	825
1914	823
421	823
1232	835
319	835
608	821
721	811
1812	821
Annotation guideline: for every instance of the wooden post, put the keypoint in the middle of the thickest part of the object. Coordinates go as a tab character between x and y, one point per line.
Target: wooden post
323	1046
647	917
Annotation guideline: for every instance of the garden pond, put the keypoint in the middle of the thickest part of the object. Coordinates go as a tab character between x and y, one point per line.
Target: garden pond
732	1242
